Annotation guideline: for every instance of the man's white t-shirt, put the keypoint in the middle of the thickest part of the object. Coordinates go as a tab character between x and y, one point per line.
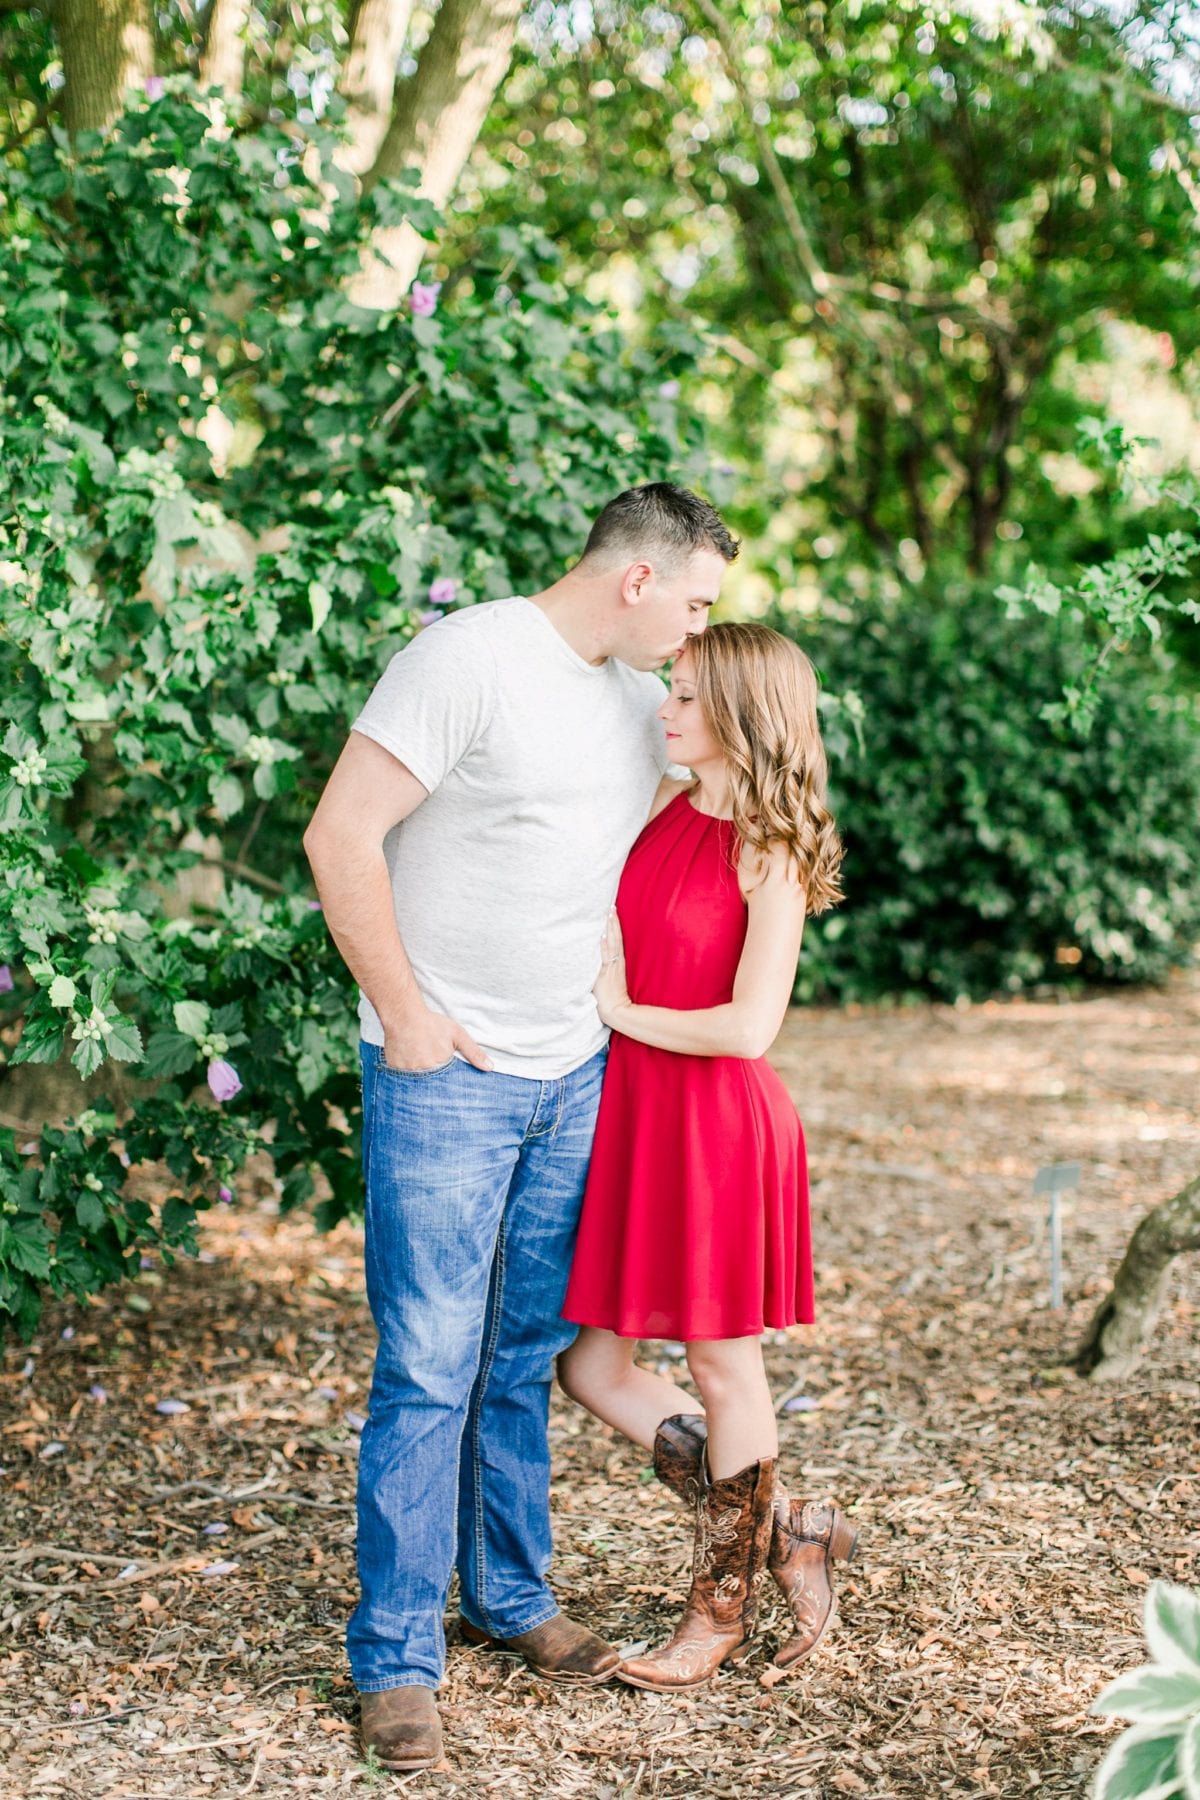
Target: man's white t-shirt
540	768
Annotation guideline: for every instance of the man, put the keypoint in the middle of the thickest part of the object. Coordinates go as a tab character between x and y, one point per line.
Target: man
466	851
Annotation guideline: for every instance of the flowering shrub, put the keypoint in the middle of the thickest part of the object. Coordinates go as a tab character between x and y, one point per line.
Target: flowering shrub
231	494
1158	1757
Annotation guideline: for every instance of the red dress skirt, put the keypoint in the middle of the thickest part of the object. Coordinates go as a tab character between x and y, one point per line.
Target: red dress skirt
695	1217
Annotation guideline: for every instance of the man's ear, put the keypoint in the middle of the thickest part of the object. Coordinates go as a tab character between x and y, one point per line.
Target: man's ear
636	583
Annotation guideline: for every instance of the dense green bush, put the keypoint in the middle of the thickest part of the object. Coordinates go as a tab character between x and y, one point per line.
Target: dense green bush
191	613
990	848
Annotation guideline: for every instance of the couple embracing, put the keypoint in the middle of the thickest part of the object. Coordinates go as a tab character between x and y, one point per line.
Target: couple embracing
538	1191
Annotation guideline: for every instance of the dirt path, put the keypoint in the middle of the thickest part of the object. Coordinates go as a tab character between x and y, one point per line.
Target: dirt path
1010	1515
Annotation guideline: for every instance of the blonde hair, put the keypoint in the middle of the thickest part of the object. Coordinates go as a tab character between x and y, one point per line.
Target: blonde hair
758	692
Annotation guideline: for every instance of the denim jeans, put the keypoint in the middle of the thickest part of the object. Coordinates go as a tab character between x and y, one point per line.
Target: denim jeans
474	1182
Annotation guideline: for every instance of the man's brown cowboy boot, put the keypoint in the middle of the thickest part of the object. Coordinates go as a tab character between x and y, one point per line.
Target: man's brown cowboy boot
806	1540
559	1650
401	1728
733	1534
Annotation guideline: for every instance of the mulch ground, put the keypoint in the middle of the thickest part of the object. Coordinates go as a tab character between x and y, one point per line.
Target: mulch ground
1011	1515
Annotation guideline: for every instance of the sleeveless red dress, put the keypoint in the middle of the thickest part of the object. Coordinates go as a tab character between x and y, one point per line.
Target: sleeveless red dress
695	1217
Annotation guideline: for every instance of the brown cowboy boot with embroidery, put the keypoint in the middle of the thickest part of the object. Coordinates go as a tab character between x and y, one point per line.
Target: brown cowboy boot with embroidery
806	1539
733	1535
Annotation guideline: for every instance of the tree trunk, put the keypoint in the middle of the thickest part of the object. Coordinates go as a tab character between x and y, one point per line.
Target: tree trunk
368	78
436	118
107	46
1123	1322
224	60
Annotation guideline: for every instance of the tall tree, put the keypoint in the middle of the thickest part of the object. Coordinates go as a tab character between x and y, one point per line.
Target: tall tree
107	46
436	117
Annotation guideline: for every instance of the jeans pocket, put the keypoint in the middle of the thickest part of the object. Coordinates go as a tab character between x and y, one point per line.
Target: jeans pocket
385	1068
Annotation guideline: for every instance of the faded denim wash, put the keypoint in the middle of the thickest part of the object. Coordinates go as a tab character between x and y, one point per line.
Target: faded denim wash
474	1183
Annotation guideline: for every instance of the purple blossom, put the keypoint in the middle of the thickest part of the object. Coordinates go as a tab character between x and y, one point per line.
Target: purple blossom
215	1529
171	1407
800	1403
67	1333
423	299
315	906
145	1262
156	87
6	980
430	615
326	1393
98	1394
442	591
668	390
223	1079
225	1196
221	1568
123	1159
355	1421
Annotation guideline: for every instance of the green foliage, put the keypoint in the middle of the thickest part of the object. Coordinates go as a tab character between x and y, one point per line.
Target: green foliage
990	848
1136	592
230	492
1158	1757
921	230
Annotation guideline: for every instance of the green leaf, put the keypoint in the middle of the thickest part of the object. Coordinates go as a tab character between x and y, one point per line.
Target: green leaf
1151	1695
62	991
1189	1759
320	599
1142	1765
168	1053
227	795
191	1018
89	1210
87	1057
1173	1627
124	1042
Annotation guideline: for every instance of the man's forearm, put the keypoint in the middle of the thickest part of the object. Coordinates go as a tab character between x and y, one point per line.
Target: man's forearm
356	896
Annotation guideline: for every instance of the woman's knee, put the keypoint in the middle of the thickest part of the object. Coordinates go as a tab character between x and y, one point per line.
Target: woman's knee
720	1369
592	1364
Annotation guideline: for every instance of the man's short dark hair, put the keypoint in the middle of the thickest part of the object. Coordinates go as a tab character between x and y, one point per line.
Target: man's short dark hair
658	519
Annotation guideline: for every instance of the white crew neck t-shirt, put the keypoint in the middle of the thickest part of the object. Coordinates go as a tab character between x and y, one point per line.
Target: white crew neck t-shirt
540	768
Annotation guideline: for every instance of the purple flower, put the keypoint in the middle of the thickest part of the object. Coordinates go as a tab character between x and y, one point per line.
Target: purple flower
442	591
315	906
123	1159
171	1407
156	87
225	1196
326	1393
430	616
423	299
67	1333
215	1529
221	1568
668	390
800	1403
6	980
223	1079
98	1394
355	1421
145	1262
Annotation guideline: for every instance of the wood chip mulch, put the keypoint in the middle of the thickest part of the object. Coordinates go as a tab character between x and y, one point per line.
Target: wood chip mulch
173	1586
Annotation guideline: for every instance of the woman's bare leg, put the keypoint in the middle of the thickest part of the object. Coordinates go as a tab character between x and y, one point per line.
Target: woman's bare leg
737	1403
599	1372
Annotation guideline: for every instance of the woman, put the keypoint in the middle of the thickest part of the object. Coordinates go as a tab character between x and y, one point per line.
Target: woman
695	1219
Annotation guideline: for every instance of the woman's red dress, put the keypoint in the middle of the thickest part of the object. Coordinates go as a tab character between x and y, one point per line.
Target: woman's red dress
695	1218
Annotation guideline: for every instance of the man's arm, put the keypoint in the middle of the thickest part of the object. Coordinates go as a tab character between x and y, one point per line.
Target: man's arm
368	792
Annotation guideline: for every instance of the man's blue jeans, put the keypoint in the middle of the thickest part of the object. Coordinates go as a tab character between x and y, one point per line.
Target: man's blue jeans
474	1183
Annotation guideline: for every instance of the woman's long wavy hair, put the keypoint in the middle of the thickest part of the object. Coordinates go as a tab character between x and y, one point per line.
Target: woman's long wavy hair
758	692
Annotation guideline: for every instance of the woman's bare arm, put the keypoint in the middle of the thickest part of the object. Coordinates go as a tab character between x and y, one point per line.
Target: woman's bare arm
747	1025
